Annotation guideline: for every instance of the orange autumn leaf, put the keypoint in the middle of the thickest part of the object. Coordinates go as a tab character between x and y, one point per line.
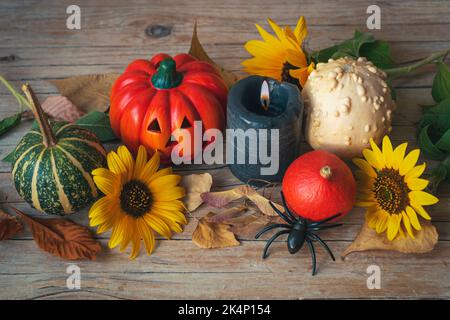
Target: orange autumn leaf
62	238
211	235
196	50
368	239
222	198
9	226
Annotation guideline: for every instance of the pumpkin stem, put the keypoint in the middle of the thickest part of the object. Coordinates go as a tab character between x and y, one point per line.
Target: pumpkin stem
48	138
166	76
326	172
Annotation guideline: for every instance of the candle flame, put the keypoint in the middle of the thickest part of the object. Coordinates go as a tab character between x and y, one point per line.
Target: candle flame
265	95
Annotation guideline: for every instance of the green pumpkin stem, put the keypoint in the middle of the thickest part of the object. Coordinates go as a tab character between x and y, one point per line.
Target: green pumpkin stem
166	76
48	138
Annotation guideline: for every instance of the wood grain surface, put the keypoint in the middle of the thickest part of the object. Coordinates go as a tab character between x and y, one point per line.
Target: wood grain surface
35	46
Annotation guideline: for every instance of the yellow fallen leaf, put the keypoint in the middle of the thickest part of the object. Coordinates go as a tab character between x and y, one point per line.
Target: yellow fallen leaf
196	50
88	92
195	185
211	235
369	239
222	198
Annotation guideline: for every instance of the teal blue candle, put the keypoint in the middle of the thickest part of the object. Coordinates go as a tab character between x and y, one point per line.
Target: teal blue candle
284	113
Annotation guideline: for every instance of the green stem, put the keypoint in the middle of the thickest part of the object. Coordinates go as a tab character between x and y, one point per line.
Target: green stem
21	99
399	71
48	138
166	76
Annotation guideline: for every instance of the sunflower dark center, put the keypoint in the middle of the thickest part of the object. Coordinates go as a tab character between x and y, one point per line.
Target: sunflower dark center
285	75
135	198
391	191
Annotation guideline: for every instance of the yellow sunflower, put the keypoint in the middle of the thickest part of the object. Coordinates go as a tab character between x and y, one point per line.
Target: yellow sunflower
281	56
389	185
138	200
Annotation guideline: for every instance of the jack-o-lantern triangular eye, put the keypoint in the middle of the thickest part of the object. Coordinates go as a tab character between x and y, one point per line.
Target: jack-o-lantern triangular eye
185	124
154	126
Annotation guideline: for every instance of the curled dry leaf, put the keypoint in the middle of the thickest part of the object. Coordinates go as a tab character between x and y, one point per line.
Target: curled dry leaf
89	92
198	52
195	185
211	235
9	226
61	108
248	226
369	239
222	198
62	238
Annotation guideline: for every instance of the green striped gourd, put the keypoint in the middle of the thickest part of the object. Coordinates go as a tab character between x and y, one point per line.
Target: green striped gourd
52	164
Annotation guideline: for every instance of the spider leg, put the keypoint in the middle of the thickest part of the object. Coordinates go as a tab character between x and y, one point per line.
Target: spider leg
328	226
269	242
281	214
318	223
313	255
289	212
270	227
318	239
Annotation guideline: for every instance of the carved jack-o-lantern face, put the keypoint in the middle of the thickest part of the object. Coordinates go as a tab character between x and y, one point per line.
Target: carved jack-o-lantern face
152	99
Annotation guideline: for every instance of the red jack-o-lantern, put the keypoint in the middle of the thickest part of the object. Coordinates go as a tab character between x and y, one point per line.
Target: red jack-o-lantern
152	99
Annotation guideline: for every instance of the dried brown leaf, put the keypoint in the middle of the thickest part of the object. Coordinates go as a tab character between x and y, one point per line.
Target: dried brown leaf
195	185
198	52
9	226
61	108
228	214
211	235
369	239
88	92
248	226
62	238
222	198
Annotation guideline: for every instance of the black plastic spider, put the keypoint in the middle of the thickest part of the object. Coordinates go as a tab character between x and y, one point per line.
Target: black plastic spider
299	230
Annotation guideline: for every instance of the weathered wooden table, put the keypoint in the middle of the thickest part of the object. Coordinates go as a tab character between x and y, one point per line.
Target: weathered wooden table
35	46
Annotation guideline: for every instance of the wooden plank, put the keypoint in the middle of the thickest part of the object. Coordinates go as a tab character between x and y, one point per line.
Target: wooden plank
178	269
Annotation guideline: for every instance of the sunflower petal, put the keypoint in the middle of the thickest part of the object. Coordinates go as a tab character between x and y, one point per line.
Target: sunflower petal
115	164
301	31
417	184
393	226
399	154
158	225
388	152
420	210
365	166
422	198
409	162
136	246
150	167
382	222
147	235
169	195
407	224
372	159
117	234
415	172
127	159
413	218
107	186
377	152
165	182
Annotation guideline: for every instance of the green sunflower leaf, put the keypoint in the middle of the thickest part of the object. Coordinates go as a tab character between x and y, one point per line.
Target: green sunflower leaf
98	123
362	44
441	83
428	147
9	122
444	142
9	157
